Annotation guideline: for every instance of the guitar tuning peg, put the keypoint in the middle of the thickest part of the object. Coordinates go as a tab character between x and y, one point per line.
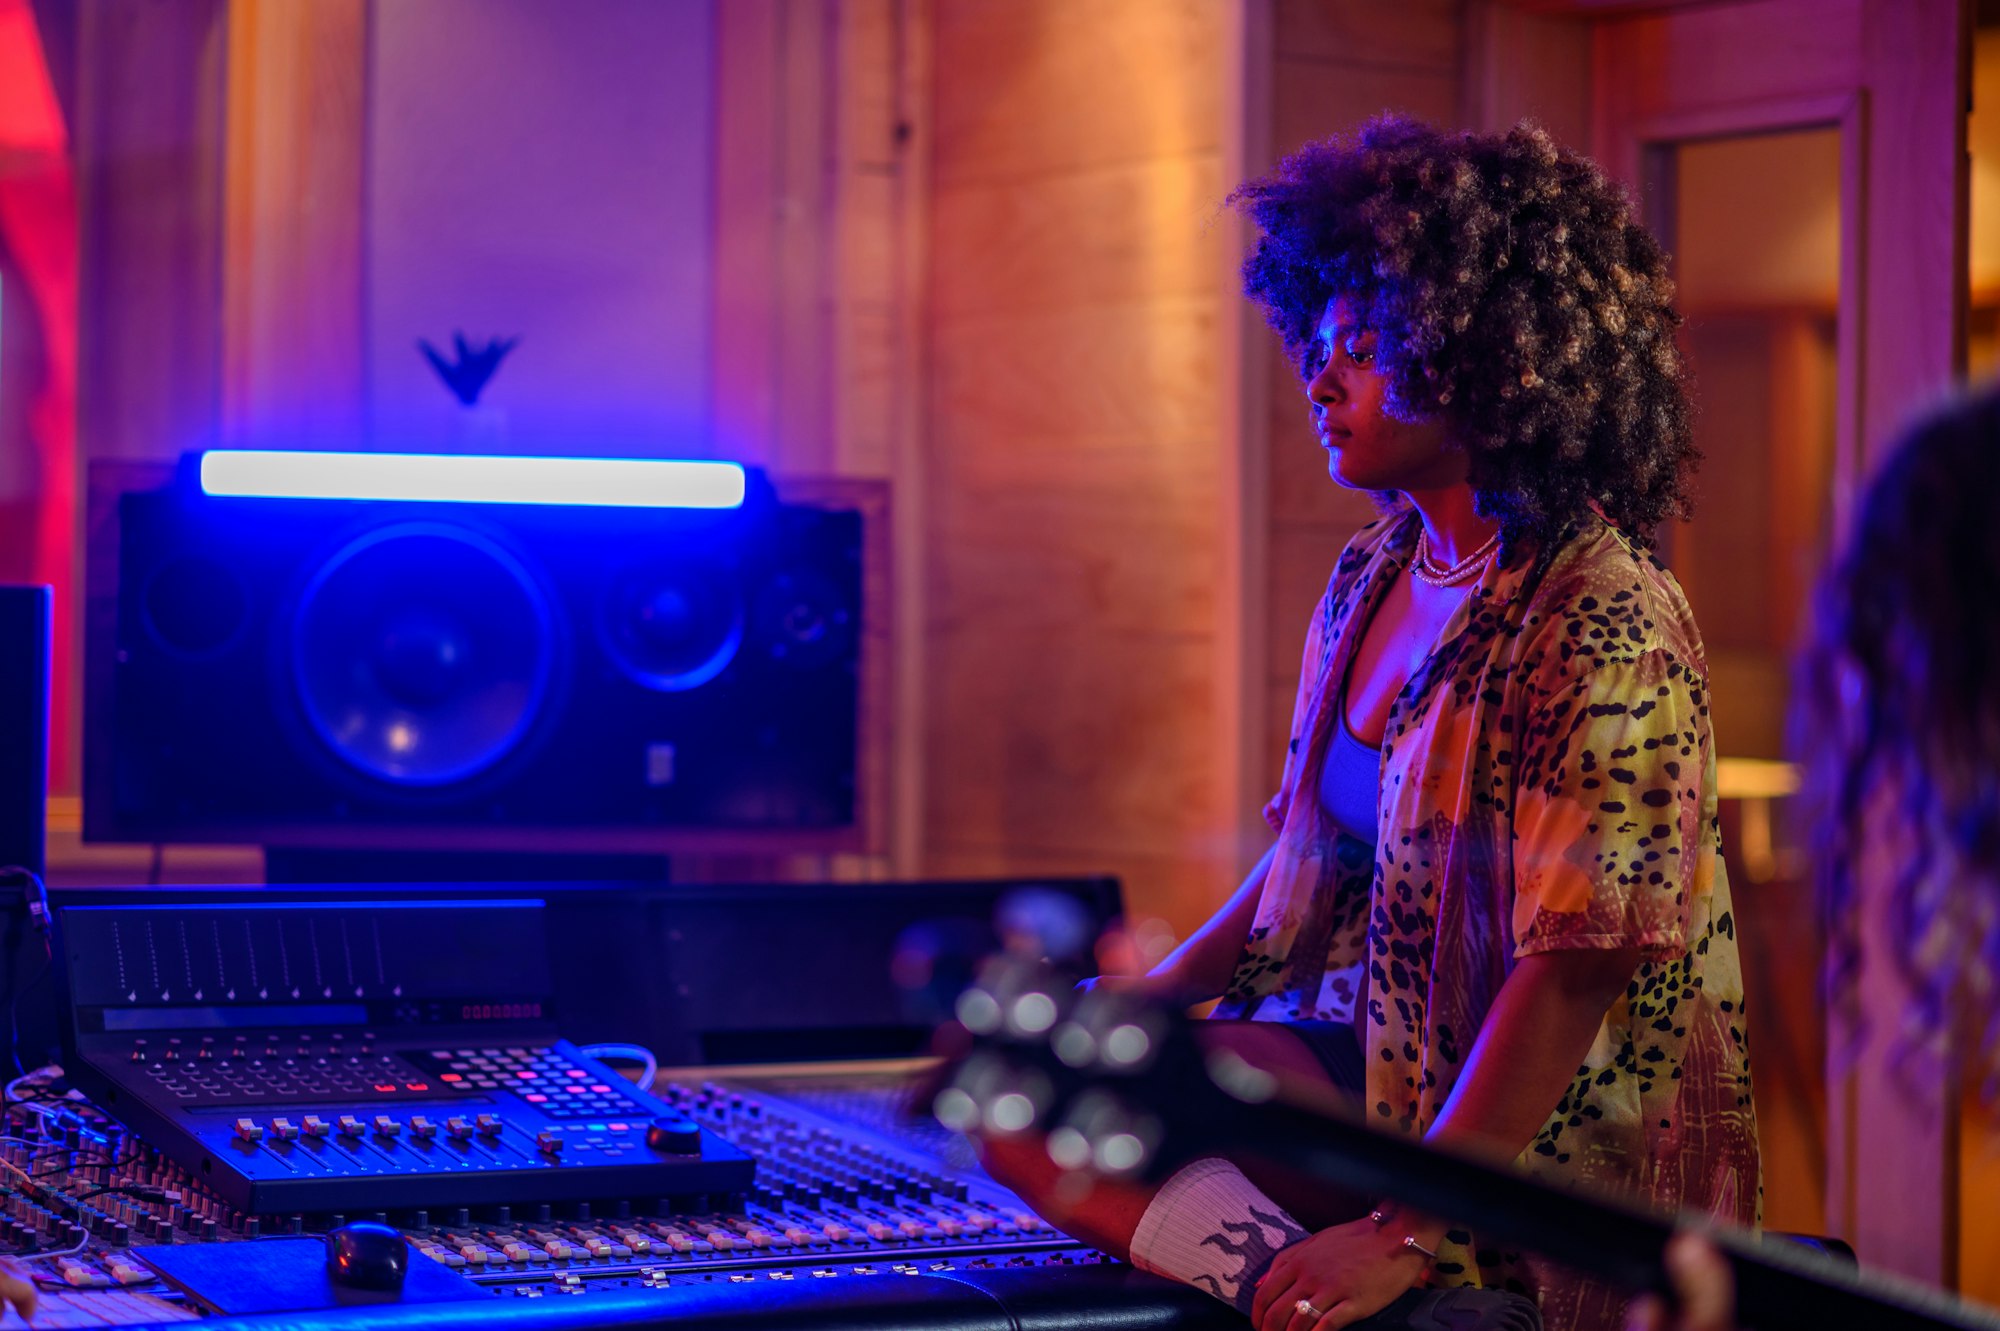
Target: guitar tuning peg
978	1010
1020	1106
1014	996
1114	1032
991	1094
1032	1013
980	1080
1074	1044
1101	1132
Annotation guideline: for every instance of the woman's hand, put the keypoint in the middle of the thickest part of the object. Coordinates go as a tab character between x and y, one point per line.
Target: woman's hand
1345	1273
1159	987
17	1288
1702	1284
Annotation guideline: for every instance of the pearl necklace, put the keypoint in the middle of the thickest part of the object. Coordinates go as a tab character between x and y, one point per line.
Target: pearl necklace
1426	570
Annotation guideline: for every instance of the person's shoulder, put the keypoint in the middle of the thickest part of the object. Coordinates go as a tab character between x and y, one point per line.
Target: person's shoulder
1605	599
1376	535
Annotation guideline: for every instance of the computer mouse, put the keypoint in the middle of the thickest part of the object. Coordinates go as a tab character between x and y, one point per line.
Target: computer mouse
365	1255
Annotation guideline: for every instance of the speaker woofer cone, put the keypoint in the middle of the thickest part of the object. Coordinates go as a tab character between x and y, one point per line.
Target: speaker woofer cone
422	653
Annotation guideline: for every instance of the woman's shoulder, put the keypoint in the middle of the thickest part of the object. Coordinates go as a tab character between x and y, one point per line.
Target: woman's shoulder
1380	533
1601	599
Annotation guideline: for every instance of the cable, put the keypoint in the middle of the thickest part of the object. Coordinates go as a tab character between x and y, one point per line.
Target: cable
96	1161
145	1192
55	1107
70	1251
627	1052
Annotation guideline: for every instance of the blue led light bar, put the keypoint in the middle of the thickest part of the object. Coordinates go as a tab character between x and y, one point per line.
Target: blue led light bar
453	478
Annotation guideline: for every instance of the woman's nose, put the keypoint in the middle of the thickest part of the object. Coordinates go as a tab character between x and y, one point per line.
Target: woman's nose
1325	386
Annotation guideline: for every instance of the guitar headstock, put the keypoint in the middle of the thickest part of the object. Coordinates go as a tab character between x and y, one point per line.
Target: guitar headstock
1117	1083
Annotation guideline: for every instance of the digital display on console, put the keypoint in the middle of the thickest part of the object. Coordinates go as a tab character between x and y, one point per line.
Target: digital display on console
257	957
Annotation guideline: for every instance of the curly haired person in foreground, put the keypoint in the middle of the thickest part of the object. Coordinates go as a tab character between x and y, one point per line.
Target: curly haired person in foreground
1896	723
1494	912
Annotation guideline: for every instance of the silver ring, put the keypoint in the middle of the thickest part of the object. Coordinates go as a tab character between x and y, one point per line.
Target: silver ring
1307	1308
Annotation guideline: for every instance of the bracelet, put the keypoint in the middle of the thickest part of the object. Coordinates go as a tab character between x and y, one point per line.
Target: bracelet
1382	1217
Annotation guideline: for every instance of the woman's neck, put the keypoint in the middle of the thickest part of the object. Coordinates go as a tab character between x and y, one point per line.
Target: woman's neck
1454	529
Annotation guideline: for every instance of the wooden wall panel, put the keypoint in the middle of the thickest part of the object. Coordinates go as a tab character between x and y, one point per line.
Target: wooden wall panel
1112	374
149	174
1028	89
149	146
1520	64
1723	54
292	251
1075	600
1317	97
1100	236
822	134
1421	36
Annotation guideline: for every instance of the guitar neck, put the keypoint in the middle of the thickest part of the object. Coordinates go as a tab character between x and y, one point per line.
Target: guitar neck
1311	1130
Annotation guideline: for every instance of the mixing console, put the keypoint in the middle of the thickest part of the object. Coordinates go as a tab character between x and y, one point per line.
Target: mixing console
307	1057
846	1189
250	1067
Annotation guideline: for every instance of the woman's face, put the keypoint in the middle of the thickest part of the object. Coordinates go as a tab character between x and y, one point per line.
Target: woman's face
1366	447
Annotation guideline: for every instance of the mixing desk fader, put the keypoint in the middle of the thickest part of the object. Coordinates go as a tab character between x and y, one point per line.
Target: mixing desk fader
319	1056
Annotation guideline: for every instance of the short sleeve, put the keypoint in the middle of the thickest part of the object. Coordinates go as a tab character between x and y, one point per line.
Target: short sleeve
1612	797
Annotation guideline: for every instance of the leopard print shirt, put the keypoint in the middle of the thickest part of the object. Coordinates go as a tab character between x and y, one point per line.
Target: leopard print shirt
1548	782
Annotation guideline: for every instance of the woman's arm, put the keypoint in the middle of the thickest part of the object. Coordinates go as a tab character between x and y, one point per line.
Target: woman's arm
1199	969
1534	1038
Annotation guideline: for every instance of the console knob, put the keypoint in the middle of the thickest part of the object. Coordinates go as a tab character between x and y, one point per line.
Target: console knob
488	1124
674	1134
349	1125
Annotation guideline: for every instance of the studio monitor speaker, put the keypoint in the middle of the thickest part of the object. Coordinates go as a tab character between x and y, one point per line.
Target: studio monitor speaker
456	675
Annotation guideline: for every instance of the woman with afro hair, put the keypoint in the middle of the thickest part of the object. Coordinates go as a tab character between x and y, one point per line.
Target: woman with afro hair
1495	912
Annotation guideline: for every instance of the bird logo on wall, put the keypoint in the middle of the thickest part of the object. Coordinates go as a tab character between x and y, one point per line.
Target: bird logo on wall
468	374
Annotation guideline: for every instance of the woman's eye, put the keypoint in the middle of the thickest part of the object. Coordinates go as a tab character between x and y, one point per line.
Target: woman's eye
1361	353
